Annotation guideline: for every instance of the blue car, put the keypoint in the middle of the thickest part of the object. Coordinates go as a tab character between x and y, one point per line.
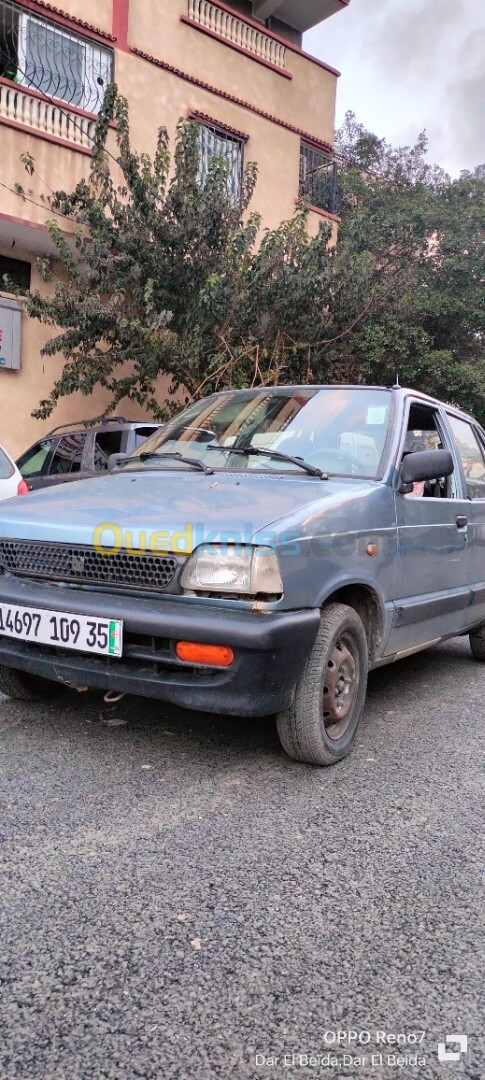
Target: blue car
259	554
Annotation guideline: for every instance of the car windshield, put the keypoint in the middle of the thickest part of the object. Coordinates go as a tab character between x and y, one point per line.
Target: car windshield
339	430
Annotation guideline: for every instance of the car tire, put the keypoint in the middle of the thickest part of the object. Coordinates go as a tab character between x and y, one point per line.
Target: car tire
477	643
21	686
320	726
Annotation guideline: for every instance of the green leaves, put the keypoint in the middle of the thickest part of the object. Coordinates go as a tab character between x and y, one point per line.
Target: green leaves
28	162
173	290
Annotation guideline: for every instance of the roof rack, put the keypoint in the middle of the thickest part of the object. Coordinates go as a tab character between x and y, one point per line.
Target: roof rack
96	420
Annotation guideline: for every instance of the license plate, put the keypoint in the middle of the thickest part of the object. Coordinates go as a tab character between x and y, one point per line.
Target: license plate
83	633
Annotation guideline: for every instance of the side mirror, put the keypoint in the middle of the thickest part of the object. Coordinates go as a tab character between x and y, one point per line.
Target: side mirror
426	465
115	459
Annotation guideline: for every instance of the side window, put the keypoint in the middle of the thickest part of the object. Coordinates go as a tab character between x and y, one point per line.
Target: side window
106	443
424	433
142	434
68	454
33	462
472	457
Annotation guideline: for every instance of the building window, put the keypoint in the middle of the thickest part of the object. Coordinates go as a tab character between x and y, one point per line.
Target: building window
10	314
16	270
215	142
318	179
43	56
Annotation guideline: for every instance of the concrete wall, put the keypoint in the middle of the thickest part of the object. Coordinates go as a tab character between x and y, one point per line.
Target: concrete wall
21	391
306	101
97	12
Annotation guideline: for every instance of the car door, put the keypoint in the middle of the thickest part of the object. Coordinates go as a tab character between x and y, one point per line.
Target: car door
471	450
433	576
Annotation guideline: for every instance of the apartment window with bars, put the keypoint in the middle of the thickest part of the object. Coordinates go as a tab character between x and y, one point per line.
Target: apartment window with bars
17	271
215	142
318	179
41	55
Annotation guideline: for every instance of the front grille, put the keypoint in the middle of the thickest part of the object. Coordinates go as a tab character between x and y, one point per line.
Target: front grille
63	562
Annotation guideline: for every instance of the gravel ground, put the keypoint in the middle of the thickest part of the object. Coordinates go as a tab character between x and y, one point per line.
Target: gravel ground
180	900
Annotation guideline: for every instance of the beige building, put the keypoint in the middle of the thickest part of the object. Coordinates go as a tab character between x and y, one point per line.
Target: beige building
238	68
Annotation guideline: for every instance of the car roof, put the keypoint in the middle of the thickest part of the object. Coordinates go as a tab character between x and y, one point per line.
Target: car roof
100	422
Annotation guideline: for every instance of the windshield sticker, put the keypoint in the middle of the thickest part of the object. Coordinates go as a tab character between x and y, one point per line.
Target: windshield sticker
377	414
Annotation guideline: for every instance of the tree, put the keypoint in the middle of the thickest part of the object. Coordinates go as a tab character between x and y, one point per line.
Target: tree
167	276
433	337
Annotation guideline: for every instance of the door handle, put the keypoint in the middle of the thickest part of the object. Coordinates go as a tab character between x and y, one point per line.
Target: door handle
462	521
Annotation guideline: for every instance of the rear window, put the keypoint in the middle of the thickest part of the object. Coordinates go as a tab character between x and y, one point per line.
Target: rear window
6	467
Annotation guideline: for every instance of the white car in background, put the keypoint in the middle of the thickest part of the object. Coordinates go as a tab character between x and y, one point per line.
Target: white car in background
11	482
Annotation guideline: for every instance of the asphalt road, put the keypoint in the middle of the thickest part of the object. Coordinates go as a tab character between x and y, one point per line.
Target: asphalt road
179	900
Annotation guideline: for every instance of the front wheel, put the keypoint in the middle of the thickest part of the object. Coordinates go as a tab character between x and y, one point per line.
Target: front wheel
21	686
320	726
477	642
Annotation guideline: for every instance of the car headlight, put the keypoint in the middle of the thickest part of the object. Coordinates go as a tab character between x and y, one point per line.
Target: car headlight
229	569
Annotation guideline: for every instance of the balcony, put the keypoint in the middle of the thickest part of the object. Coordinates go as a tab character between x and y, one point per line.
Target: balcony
52	79
235	30
34	111
318	180
300	14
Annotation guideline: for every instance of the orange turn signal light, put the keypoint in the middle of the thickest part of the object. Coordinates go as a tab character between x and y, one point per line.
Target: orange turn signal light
215	655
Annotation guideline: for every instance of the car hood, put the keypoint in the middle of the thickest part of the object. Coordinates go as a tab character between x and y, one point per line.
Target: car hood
188	507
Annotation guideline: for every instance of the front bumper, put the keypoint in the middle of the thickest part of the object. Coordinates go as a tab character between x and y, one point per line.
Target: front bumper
270	650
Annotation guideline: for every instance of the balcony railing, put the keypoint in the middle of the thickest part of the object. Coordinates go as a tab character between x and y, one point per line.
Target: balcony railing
318	180
238	31
41	55
32	110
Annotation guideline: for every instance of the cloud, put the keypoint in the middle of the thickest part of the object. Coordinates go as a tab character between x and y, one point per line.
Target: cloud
410	39
463	127
462	103
409	65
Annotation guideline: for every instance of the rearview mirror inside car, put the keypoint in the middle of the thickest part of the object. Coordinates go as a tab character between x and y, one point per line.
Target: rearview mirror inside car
425	465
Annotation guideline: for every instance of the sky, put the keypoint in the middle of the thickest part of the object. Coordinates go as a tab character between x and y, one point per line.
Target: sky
409	65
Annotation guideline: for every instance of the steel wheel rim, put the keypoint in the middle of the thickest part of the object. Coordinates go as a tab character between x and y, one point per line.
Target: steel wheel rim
340	687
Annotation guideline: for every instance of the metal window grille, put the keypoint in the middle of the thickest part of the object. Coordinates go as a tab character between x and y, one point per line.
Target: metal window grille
318	179
16	270
214	142
42	55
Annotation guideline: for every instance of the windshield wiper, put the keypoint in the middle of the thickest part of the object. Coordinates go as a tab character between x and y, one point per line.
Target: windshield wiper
277	455
195	462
